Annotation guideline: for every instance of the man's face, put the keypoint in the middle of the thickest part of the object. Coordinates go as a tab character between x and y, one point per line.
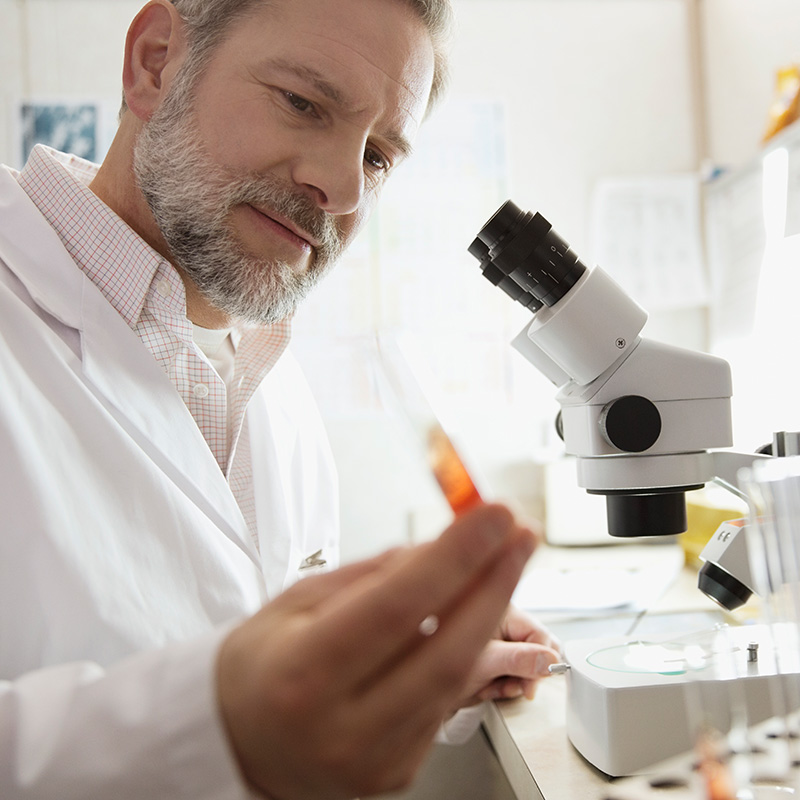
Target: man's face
262	173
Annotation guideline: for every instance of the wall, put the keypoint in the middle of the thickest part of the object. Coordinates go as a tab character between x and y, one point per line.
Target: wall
752	325
573	91
745	41
65	49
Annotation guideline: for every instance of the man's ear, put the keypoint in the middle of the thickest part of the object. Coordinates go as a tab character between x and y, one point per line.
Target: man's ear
154	49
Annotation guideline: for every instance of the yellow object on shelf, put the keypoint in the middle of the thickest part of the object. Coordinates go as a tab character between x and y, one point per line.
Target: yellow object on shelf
785	107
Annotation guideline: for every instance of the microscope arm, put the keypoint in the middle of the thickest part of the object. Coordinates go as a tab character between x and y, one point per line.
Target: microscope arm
726	468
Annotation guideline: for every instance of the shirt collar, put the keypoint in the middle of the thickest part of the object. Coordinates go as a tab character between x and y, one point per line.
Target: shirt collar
112	255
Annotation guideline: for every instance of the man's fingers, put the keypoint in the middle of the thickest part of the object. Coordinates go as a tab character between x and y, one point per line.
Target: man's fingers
421	689
379	618
503	689
514	659
338	662
433	674
520	627
509	669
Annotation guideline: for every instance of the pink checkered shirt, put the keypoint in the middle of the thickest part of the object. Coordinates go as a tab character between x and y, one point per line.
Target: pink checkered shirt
147	292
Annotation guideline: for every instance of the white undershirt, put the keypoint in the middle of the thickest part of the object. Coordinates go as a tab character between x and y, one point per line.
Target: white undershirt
217	345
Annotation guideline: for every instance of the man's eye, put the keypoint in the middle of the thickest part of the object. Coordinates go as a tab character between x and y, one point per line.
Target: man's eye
376	160
299	103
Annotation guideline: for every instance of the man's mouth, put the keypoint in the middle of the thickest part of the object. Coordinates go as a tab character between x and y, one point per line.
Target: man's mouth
285	228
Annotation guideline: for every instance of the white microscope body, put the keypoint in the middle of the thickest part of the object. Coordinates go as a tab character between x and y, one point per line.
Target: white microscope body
643	418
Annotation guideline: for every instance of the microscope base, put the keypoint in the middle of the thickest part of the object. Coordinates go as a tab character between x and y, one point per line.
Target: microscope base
623	718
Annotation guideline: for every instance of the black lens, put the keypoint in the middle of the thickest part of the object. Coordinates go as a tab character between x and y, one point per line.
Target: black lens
525	247
507	221
654	513
722	587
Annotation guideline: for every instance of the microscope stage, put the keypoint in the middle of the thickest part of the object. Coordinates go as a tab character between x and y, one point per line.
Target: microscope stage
632	703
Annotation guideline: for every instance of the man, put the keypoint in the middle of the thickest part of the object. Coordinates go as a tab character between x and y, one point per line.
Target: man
164	472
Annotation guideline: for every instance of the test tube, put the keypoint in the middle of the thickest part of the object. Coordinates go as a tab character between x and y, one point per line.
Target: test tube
452	476
447	466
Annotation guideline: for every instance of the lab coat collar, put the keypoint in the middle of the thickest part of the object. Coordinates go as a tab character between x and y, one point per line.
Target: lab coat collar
127	379
28	239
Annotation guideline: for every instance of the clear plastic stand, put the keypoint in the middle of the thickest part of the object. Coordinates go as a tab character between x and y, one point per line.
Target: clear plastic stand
749	758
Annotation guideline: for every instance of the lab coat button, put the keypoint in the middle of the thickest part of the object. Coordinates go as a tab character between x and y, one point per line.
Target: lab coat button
200	390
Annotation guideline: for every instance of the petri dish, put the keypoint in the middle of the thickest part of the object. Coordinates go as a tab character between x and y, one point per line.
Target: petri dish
652	658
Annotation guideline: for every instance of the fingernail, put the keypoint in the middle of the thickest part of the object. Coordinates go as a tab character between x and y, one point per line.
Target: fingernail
543	662
510	692
530	691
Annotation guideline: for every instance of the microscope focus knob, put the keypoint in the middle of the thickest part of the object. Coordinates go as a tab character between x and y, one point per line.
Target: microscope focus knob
631	423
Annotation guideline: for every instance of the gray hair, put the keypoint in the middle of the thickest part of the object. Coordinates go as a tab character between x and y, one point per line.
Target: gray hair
208	21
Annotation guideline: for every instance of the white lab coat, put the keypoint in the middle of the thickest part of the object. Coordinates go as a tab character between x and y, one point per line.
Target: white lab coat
120	536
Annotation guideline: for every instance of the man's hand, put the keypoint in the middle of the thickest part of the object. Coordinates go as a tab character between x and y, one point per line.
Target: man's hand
514	661
332	690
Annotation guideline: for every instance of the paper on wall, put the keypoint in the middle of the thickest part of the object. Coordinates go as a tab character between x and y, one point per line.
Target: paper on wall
646	235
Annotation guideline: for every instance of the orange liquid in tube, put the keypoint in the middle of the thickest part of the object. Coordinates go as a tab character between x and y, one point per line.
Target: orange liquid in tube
450	472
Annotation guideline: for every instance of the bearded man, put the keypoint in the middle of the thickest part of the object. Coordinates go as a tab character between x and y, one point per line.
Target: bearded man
166	478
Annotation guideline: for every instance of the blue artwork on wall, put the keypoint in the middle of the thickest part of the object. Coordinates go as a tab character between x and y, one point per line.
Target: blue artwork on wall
71	128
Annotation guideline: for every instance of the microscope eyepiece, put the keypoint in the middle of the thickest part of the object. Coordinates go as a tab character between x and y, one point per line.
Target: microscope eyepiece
507	221
480	250
525	248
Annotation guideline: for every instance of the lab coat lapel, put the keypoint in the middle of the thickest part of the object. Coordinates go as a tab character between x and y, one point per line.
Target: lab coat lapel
145	402
125	376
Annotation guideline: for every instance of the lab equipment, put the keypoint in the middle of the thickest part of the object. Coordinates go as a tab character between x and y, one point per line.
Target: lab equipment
647	422
446	464
762	759
450	473
629	699
643	418
634	702
726	576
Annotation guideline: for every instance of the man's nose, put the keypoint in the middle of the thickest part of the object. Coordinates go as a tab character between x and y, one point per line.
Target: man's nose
334	174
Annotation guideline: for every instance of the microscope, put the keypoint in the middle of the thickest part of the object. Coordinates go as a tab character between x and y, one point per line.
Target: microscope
643	419
647	422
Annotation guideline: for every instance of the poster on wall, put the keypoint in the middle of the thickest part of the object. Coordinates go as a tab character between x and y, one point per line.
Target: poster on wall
79	127
646	235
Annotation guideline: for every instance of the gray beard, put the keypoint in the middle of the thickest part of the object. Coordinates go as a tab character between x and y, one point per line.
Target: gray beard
191	199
